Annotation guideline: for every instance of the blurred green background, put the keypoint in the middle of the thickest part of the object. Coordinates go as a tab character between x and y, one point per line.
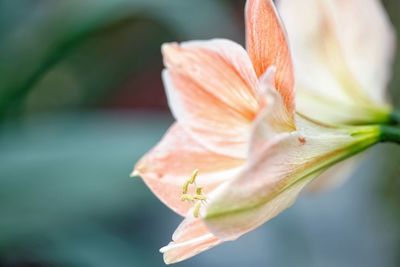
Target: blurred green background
81	100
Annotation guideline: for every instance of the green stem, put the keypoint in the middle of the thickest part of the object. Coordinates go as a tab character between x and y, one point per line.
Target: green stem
395	118
390	134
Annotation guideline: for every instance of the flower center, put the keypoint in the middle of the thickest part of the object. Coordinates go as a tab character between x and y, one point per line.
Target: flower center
197	198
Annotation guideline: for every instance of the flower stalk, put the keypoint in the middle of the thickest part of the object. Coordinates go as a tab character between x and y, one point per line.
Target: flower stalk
390	134
395	118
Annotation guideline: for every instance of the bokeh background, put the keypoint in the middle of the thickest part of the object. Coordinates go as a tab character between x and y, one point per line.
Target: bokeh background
81	100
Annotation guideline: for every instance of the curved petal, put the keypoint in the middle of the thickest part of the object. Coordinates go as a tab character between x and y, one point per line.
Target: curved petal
328	109
368	44
315	48
190	238
334	176
273	118
168	166
267	46
342	52
275	175
211	87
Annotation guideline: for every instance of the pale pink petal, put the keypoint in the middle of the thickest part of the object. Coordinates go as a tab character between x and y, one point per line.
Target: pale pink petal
260	193
211	87
335	176
342	51
273	118
267	46
190	238
274	176
169	165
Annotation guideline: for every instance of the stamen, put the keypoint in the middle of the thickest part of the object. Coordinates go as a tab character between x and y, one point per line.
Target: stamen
196	210
192	179
200	197
186	197
199	190
197	198
185	187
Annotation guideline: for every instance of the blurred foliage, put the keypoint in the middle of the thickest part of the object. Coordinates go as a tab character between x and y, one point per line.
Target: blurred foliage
58	54
393	9
389	185
66	194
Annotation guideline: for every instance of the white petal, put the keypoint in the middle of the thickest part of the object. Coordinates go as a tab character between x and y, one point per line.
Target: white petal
334	176
190	238
343	52
275	175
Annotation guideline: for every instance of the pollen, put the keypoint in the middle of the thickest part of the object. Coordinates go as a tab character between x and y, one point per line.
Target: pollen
197	198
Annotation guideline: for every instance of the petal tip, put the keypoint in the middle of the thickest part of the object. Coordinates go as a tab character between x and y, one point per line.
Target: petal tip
168	48
164	248
168	261
167	258
135	173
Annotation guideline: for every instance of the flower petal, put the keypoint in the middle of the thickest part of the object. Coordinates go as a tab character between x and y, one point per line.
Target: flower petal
275	175
334	176
190	238
211	87
342	52
368	45
274	118
168	166
335	111
267	46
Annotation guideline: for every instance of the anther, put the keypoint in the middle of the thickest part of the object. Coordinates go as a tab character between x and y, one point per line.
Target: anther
197	197
186	197
192	179
200	197
185	187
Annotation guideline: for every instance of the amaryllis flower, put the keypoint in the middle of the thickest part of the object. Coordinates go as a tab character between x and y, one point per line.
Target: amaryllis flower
343	52
238	132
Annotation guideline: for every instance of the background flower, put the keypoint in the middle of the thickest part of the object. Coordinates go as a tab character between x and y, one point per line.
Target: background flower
343	52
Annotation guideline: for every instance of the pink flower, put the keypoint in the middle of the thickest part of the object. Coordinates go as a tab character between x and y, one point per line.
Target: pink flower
343	51
236	123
